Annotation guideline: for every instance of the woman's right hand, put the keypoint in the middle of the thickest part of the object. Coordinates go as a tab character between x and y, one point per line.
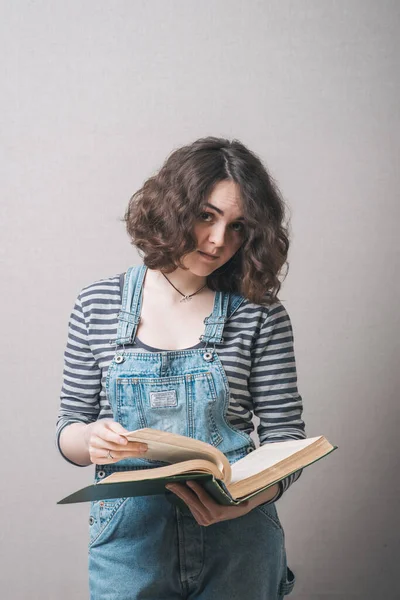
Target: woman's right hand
103	436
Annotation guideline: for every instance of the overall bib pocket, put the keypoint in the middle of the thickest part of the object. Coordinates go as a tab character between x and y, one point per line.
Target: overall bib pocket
184	404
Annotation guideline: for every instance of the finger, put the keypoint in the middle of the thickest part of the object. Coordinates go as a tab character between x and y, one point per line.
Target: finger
101	456
108	433
98	442
117	428
125	454
203	496
198	517
215	510
111	436
103	453
191	500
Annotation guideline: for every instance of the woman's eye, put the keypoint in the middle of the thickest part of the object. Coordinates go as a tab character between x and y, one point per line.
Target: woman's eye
203	216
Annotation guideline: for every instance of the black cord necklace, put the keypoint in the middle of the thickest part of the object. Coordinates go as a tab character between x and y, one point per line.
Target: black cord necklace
185	298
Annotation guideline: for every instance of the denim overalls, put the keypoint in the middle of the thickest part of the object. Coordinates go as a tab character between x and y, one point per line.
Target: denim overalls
148	548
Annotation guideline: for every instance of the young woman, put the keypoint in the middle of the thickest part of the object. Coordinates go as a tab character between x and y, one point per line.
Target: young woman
192	341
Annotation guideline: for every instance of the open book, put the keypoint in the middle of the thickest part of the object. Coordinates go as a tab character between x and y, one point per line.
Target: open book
189	458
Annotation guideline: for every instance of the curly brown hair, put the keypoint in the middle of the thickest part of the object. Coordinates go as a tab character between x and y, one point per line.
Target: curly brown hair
161	215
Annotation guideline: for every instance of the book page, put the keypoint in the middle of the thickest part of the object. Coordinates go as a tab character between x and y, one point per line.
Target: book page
172	454
187	467
174	448
266	456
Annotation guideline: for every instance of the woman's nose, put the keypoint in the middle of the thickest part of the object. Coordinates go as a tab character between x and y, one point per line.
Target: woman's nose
217	236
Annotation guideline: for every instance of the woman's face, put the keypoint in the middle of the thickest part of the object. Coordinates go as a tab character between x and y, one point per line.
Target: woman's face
219	229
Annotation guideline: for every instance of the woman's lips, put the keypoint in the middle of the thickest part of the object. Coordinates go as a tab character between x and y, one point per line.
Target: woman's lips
207	256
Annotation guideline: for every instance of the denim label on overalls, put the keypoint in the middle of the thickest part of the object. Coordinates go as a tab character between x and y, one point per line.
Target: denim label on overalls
160	399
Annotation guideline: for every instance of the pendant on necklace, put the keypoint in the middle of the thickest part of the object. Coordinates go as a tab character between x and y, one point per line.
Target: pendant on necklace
186	299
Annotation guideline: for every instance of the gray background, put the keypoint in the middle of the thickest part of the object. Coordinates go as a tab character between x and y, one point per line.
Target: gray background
95	94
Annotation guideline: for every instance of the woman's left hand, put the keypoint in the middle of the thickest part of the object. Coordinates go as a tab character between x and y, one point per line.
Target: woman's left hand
203	507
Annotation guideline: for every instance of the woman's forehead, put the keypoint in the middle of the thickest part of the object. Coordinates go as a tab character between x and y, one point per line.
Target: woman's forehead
226	197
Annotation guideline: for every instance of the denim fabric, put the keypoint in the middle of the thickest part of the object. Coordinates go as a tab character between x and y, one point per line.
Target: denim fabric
151	548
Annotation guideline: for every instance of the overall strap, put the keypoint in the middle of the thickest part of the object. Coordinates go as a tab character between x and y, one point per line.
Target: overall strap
129	315
224	306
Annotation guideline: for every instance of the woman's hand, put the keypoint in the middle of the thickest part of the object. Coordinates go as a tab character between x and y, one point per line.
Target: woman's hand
203	507
207	511
102	437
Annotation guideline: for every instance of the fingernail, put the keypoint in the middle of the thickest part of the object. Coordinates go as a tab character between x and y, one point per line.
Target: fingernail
143	447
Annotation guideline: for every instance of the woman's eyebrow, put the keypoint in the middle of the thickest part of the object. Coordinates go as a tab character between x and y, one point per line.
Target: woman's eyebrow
221	212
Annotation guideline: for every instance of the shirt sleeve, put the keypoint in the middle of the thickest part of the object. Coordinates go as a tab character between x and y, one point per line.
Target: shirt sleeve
81	377
273	385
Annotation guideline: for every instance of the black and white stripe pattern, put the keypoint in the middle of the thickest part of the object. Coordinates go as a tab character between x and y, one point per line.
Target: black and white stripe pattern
257	355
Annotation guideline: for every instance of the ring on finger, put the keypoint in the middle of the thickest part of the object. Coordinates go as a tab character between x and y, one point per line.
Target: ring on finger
109	455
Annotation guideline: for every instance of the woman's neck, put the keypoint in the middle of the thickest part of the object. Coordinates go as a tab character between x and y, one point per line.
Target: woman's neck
185	281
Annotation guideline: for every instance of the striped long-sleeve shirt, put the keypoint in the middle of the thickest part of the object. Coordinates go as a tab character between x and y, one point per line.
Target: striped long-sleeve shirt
257	355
